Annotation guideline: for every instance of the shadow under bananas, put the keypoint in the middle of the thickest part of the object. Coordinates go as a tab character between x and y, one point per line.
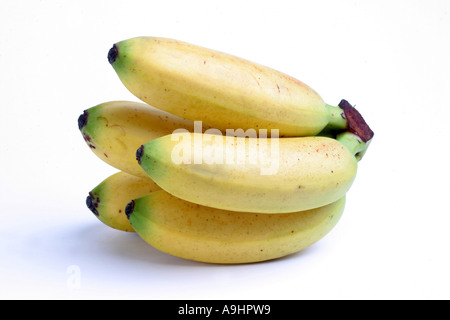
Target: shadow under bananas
101	241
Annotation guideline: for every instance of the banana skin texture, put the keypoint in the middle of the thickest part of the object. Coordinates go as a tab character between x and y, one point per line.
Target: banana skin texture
114	130
210	235
309	172
223	91
109	199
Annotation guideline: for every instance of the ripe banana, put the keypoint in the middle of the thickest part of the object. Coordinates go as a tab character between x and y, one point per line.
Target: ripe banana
109	199
223	91
253	174
115	129
205	234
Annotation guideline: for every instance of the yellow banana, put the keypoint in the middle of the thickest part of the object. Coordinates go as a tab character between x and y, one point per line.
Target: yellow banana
109	199
253	174
205	234
115	129
223	91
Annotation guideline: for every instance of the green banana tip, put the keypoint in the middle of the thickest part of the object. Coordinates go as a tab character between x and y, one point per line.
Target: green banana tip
356	123
129	209
82	120
112	54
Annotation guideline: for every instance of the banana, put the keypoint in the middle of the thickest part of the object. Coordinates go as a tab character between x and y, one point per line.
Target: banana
114	130
253	174
109	198
223	91
210	235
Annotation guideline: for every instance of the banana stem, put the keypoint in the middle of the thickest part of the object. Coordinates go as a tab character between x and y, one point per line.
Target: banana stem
338	120
346	118
353	143
349	127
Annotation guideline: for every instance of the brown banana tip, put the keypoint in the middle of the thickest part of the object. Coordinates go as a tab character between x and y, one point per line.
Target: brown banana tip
112	54
356	122
82	120
92	203
139	154
129	209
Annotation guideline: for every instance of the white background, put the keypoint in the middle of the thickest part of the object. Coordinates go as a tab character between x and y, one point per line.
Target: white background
389	58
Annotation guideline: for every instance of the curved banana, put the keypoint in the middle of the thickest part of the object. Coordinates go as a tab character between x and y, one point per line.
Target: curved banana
204	234
114	130
223	91
109	199
252	174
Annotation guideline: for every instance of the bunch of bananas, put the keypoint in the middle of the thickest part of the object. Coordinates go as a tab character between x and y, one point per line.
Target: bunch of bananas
224	160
